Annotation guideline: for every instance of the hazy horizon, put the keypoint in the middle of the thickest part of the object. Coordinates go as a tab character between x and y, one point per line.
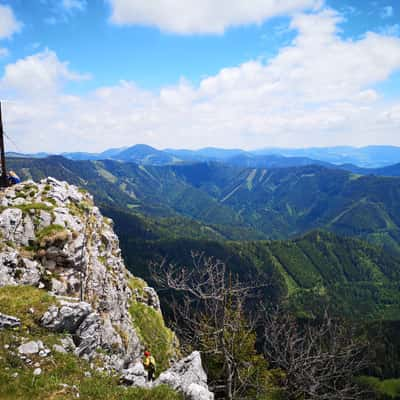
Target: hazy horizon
216	148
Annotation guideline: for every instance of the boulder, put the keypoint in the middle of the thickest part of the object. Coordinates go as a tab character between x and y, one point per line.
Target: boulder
135	376
87	336
31	347
197	392
15	269
188	377
15	227
7	321
67	317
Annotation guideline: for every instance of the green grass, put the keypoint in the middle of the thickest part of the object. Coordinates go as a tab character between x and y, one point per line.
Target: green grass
138	284
34	206
150	326
18	300
48	231
65	369
58	370
50	200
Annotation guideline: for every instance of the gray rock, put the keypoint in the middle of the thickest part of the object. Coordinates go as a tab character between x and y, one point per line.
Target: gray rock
7	321
66	318
152	298
44	218
85	260
44	352
187	376
59	349
88	336
68	344
30	348
37	371
135	375
15	269
197	392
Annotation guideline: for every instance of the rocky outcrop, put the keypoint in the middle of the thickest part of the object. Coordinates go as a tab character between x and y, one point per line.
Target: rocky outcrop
55	238
67	317
135	376
7	321
186	376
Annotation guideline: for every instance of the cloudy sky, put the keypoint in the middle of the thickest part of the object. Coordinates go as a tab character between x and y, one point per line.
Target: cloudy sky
86	75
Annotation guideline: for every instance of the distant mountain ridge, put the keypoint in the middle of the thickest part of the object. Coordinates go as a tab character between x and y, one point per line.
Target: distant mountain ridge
371	157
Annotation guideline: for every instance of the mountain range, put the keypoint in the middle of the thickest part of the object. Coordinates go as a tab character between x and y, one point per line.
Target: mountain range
231	202
351	157
166	213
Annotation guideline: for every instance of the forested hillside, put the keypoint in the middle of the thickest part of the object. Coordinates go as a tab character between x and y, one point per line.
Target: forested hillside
238	203
317	271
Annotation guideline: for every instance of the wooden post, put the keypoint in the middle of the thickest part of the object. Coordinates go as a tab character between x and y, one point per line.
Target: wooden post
3	178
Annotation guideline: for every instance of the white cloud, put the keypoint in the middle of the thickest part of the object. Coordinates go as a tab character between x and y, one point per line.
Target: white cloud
39	74
4	52
319	90
71	5
387	12
62	10
206	16
8	22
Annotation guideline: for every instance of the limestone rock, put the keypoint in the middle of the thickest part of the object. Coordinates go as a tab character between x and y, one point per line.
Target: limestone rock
87	336
198	392
7	321
152	298
135	375
55	238
74	252
68	344
31	347
187	376
67	317
59	349
15	269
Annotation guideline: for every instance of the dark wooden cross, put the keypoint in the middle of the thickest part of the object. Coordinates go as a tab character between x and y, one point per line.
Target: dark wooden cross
3	177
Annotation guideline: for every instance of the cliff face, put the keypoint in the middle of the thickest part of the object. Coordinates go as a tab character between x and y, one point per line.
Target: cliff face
65	292
54	237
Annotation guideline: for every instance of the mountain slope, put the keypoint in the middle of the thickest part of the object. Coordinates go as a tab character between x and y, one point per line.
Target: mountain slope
265	203
312	272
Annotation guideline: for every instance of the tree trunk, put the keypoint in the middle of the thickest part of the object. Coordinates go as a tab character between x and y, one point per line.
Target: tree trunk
229	383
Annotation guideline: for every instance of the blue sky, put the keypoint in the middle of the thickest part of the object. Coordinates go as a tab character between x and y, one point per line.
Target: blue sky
87	75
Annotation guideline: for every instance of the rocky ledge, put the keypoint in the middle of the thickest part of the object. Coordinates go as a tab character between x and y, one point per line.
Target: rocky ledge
54	238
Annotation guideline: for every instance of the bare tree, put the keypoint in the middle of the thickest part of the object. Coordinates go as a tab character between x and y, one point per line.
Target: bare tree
319	360
208	312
